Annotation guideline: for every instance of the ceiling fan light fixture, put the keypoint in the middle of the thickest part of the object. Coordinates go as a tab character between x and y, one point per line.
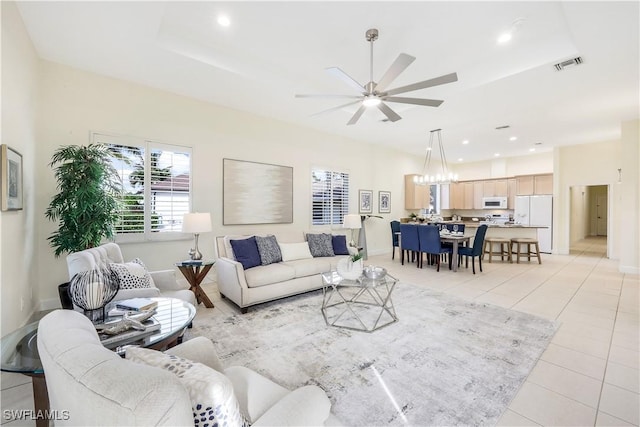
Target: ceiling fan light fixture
223	20
504	38
371	101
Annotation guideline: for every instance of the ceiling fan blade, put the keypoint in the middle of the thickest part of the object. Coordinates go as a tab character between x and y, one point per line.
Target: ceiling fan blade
357	115
335	71
399	65
416	101
335	108
447	78
298	95
391	115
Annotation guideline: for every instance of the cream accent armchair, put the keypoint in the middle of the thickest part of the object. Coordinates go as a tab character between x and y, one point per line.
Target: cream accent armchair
165	281
95	386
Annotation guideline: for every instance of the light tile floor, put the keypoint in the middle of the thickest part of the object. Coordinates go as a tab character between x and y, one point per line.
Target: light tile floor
588	376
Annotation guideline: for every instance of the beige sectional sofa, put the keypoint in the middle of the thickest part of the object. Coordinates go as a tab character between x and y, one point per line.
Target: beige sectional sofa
269	282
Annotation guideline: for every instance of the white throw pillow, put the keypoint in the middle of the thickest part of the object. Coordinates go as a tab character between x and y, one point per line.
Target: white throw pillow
133	275
294	251
212	398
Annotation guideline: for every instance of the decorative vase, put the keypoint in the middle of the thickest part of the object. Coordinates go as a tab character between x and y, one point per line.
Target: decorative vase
92	290
348	269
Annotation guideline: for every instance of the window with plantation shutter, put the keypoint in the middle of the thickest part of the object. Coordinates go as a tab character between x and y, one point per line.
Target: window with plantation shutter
156	187
330	197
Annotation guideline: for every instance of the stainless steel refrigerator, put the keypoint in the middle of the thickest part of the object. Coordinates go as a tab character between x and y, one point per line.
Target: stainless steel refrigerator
536	210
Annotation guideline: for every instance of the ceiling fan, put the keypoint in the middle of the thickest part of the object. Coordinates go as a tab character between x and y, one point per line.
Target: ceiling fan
376	94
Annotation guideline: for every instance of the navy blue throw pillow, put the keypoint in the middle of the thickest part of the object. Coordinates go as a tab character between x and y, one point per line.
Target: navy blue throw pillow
340	245
246	252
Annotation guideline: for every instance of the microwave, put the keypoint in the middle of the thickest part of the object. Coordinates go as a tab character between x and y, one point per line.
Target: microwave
494	203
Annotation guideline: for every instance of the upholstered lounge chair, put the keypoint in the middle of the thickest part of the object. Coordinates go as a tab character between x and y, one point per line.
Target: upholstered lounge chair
165	281
95	386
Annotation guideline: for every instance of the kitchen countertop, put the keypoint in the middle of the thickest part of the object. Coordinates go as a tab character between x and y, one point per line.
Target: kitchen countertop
476	224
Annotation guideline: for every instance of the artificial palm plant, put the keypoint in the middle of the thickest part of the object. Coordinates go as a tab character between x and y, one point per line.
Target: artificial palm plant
86	206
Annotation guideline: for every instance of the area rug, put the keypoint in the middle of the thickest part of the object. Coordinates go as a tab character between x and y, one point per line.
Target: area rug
447	361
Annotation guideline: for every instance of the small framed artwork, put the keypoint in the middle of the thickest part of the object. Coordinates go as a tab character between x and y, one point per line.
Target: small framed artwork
384	202
11	173
366	202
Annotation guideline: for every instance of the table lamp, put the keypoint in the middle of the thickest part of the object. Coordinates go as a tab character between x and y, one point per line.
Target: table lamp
196	223
352	221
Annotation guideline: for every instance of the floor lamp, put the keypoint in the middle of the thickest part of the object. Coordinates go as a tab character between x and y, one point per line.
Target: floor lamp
362	239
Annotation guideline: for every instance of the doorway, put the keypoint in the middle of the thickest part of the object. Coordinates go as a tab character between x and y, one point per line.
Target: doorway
589	213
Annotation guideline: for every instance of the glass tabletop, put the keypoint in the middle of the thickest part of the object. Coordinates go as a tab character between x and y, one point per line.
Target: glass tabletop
333	278
190	263
20	349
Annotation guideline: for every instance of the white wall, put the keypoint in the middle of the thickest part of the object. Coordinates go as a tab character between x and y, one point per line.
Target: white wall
539	163
18	230
77	102
584	165
628	223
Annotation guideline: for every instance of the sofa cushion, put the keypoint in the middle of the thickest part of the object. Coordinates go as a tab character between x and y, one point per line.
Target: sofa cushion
339	243
212	398
309	267
268	249
320	245
246	252
293	251
269	274
132	275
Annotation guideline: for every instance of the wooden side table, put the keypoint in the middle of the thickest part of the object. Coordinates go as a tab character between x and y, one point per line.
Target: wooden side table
195	274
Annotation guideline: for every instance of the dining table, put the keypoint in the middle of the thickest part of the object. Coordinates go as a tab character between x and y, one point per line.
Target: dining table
454	238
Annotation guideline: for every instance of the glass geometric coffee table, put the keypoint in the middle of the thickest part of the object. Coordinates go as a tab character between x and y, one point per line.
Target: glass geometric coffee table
362	305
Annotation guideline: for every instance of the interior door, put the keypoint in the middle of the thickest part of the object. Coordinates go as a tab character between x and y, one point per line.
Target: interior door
601	215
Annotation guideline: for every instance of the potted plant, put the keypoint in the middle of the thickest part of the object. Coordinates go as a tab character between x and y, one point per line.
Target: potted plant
87	203
351	267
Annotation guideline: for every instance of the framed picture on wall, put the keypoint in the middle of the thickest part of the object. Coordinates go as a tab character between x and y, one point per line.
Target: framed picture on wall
384	201
366	203
11	172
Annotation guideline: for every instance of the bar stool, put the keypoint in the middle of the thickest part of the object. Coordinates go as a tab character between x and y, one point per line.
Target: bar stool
505	248
519	241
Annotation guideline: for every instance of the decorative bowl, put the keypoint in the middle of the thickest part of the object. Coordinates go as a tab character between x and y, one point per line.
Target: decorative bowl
372	272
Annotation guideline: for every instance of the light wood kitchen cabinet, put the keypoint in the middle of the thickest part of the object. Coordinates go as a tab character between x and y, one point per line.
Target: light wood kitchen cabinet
495	187
415	196
456	196
468	195
534	184
511	193
543	184
524	185
478	194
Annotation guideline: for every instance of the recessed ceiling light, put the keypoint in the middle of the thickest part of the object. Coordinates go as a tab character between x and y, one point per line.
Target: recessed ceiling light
460	159
497	155
465	142
504	38
224	21
513	138
532	149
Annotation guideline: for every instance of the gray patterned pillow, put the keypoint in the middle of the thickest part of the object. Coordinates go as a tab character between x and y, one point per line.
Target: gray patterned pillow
320	244
269	249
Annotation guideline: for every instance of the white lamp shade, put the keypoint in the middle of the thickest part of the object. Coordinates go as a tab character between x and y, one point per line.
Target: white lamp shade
352	221
196	223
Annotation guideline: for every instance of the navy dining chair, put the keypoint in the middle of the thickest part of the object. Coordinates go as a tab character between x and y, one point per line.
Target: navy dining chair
395	229
431	245
475	250
409	242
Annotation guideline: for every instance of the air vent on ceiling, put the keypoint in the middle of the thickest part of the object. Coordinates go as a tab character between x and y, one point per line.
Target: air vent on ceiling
503	127
568	63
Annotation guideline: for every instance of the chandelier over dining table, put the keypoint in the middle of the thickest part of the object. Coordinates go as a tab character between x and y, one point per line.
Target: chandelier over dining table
436	174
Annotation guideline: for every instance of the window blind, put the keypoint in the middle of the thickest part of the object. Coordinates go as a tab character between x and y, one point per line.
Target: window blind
330	197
